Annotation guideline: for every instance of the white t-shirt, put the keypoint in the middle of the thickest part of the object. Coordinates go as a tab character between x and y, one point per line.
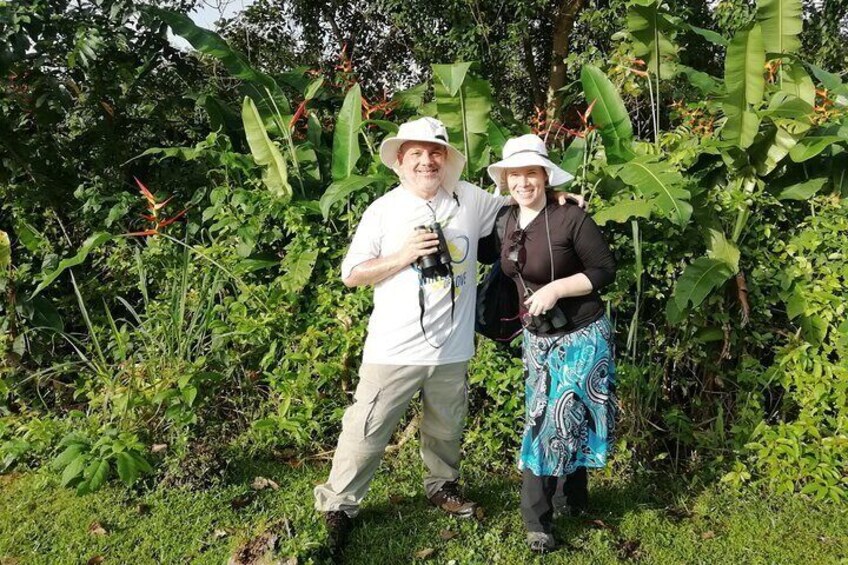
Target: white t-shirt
394	329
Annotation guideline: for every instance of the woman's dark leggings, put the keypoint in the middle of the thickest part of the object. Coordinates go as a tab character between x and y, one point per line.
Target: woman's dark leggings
540	495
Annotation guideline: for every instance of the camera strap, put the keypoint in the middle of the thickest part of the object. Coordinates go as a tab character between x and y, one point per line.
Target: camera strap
421	306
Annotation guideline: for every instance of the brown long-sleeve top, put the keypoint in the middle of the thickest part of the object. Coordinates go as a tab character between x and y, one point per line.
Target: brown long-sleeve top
576	246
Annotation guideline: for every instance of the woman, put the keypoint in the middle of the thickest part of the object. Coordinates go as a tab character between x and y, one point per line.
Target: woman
559	261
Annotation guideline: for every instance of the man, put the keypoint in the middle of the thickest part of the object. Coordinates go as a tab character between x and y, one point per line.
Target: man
421	331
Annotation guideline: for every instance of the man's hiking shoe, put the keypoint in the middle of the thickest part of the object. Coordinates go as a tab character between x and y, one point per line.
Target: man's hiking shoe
449	500
338	527
540	542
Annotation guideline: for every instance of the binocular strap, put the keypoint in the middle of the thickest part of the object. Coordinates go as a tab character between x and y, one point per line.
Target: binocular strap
421	306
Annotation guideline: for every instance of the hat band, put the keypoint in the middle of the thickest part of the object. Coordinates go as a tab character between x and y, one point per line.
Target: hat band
533	151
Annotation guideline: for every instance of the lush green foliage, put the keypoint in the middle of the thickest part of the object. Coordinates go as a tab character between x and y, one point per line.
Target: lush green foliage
219	322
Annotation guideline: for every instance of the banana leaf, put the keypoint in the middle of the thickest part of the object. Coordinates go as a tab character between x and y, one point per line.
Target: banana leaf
451	76
795	80
210	43
811	146
699	279
653	37
781	22
609	114
745	84
623	211
466	117
265	152
658	182
804	190
346	135
341	189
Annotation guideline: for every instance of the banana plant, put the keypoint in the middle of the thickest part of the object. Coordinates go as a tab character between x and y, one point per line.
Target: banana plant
463	104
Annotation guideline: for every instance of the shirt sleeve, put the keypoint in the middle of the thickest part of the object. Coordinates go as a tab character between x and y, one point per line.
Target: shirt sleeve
593	251
366	243
488	206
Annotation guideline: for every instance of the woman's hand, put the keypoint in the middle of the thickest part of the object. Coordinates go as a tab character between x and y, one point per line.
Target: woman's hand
542	300
578	199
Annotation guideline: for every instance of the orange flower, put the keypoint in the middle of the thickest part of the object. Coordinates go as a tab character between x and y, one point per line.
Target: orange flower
153	206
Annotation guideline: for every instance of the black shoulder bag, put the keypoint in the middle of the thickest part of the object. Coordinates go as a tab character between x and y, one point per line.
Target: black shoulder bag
496	316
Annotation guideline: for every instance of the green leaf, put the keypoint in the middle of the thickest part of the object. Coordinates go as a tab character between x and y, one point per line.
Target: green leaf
781	22
189	393
340	190
313	88
609	114
73	470
452	76
704	82
127	470
795	80
297	267
745	84
93	241
98	475
804	190
709	35
660	183
5	253
653	34
346	135
830	81
811	146
466	117
622	211
722	249
69	454
498	136
141	463
574	155
778	143
411	99
265	152
208	42
699	279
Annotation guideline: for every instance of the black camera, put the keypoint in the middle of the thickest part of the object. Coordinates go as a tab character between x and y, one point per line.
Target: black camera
553	320
436	264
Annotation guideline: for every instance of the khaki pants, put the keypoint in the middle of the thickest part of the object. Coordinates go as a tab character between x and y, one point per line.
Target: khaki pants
381	399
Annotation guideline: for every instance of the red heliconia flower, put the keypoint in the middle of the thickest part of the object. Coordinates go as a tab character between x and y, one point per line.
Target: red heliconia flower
153	206
299	113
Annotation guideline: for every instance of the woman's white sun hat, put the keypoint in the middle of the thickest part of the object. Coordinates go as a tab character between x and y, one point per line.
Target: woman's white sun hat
430	130
527	151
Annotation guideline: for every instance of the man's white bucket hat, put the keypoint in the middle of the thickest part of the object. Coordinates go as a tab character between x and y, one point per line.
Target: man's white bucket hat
430	130
527	151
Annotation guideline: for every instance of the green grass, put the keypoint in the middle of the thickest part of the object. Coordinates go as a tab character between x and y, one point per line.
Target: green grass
653	519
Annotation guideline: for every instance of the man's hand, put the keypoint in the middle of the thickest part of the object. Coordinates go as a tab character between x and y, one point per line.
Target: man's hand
542	300
419	244
578	199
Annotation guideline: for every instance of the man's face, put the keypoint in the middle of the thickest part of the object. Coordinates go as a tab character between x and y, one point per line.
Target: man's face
422	166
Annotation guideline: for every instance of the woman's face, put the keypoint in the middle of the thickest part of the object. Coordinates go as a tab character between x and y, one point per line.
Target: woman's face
527	185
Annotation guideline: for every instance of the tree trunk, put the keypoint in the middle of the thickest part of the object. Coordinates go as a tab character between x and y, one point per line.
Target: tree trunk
530	62
565	14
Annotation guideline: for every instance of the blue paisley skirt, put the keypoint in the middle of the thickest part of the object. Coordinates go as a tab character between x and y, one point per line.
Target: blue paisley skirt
570	405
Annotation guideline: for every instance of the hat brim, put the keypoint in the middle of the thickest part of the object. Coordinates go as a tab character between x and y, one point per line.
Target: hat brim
454	164
556	175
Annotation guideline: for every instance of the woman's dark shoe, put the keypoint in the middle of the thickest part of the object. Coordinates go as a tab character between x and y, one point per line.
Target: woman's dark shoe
541	542
338	525
449	500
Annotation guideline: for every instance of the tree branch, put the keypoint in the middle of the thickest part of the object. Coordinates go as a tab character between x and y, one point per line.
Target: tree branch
565	16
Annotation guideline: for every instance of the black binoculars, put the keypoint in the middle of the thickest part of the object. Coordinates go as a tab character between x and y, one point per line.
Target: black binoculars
553	320
436	264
